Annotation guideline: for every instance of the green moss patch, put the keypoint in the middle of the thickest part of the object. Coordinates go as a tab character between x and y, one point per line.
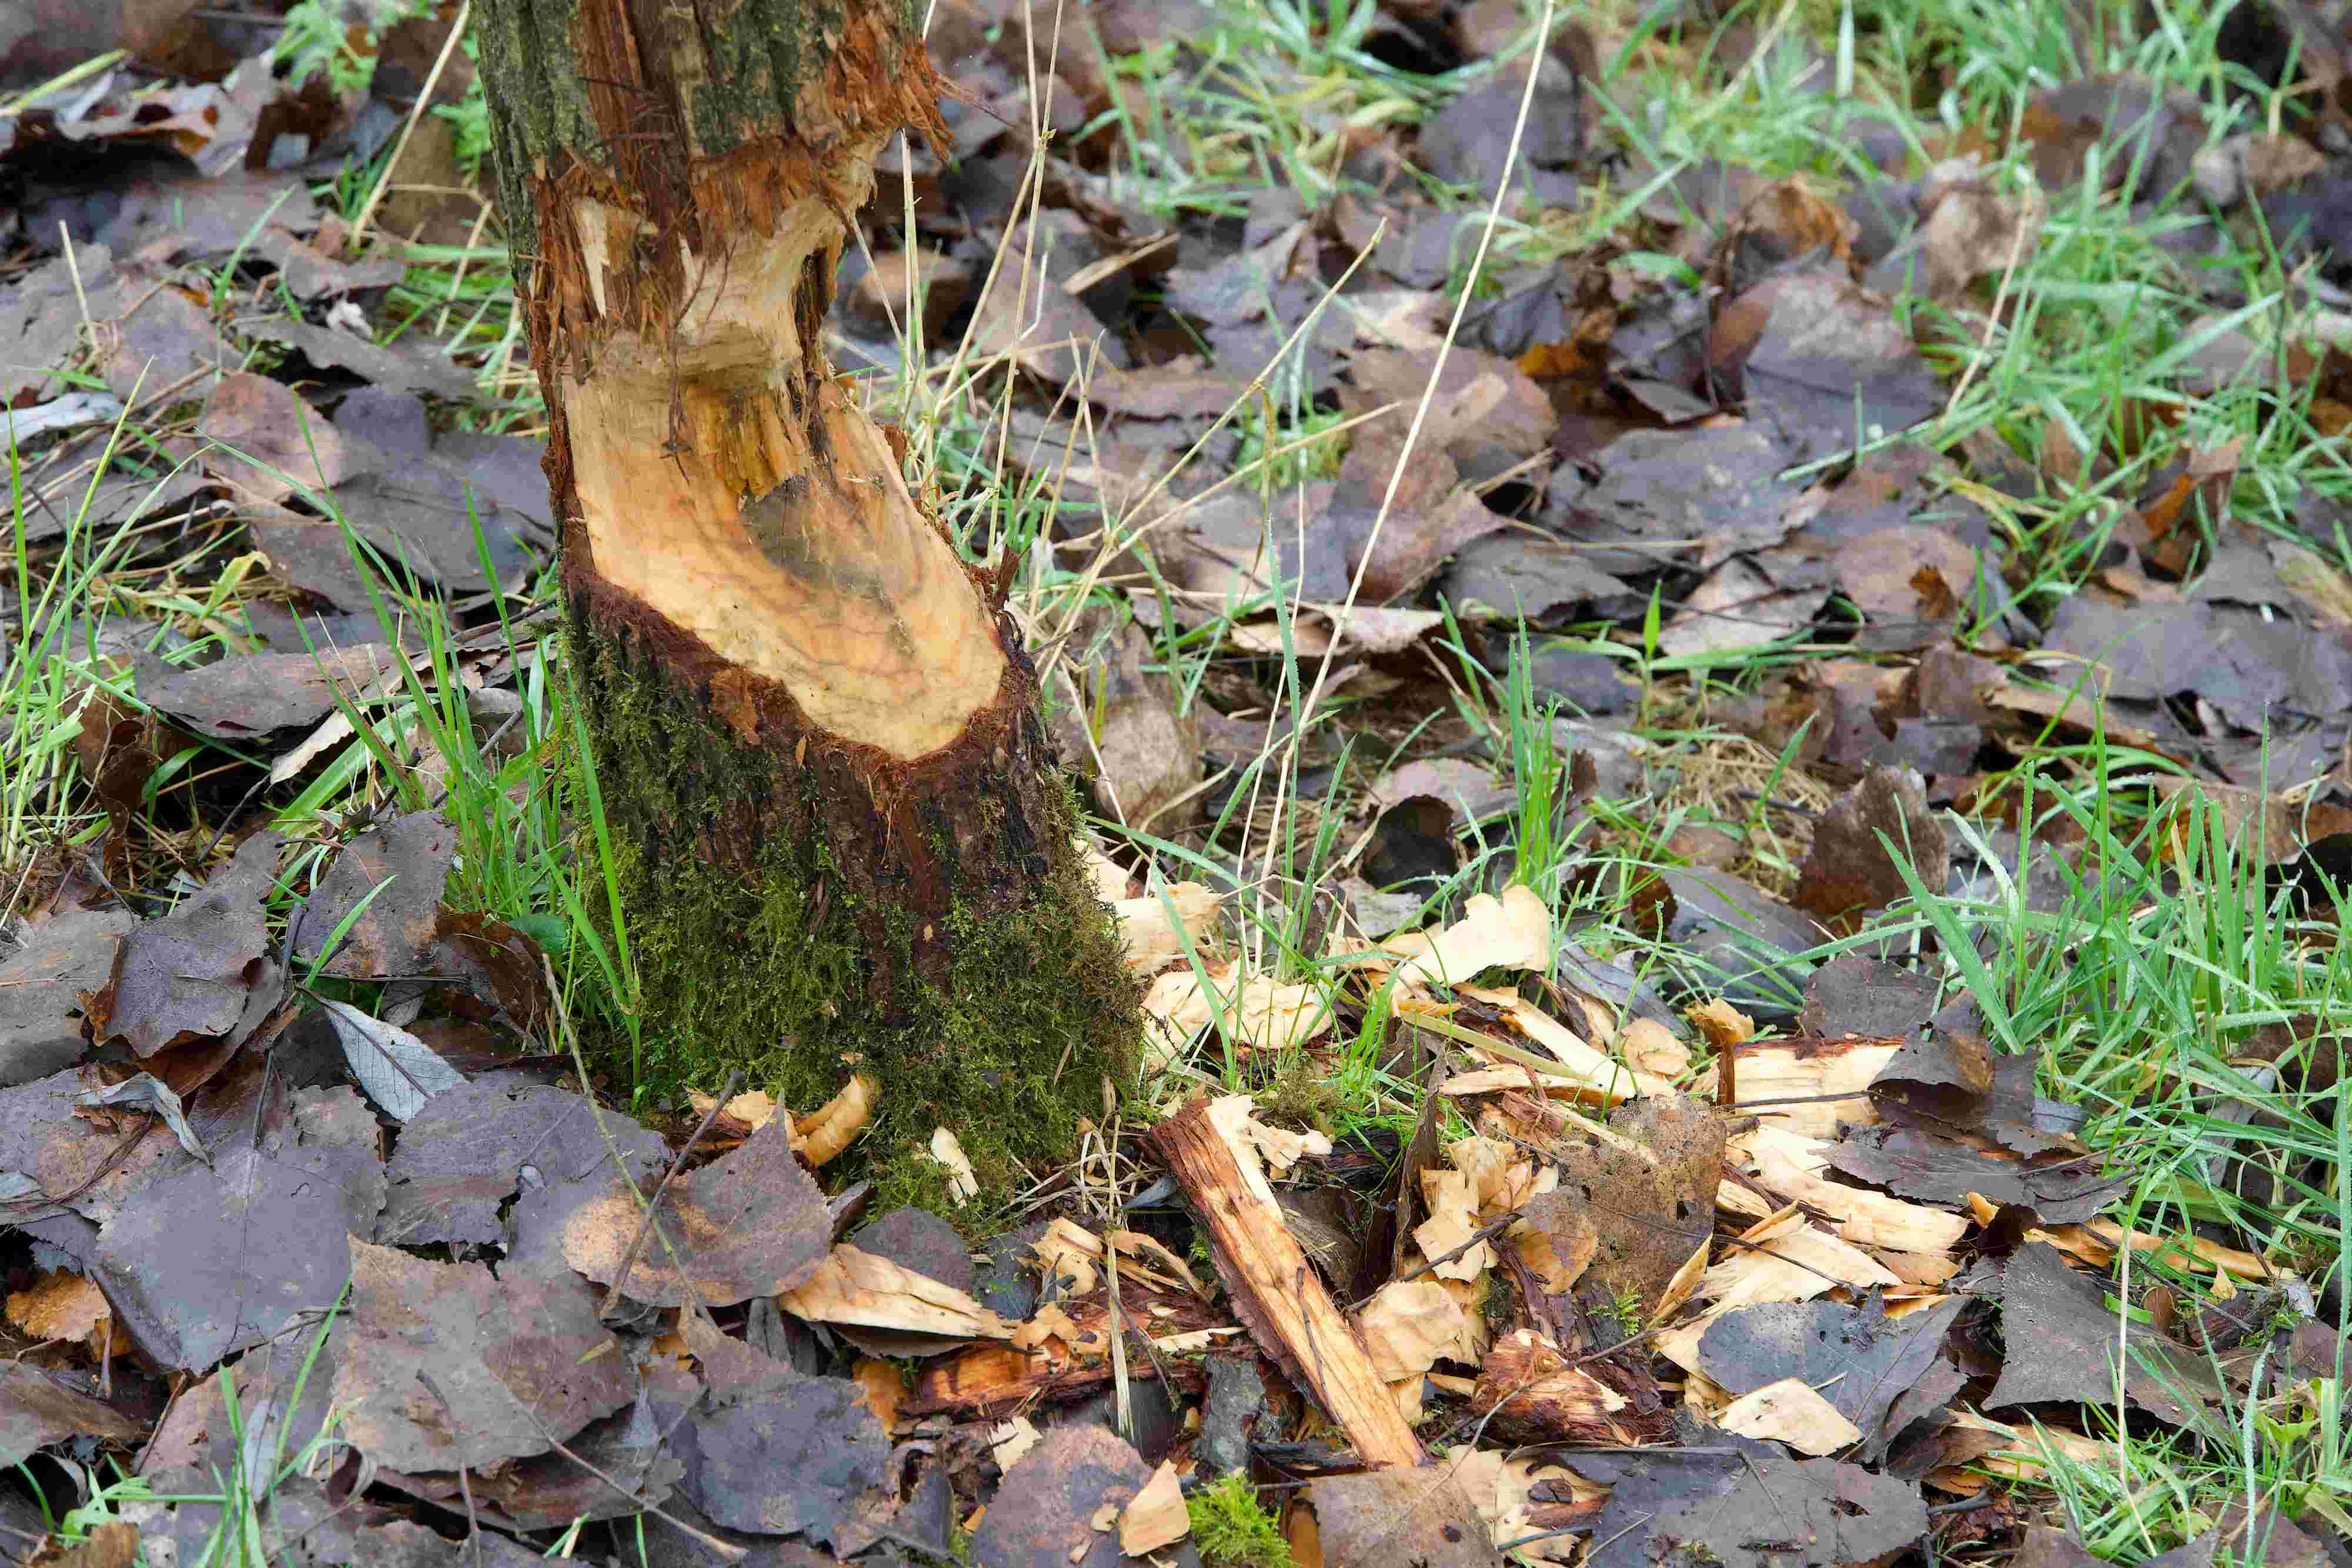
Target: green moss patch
768	972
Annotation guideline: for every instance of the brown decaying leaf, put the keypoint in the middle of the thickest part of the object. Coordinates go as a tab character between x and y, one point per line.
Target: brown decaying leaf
183	1260
191	974
751	1223
399	867
1421	1516
40	982
1850	870
267	445
1122	725
507	1396
252	694
1531	1393
1043	1514
1971	229
60	1305
112	1543
2265	826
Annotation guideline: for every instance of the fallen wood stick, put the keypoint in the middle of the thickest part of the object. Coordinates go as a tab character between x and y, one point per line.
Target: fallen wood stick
1275	1289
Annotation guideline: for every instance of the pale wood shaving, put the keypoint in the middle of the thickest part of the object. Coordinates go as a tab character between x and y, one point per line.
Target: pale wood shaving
861	1290
1790	1411
1790	1165
1154	1517
1408	1325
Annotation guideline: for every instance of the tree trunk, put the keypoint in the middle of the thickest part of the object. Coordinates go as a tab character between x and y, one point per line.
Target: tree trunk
845	843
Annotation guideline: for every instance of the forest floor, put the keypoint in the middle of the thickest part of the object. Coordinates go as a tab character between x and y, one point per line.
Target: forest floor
1711	651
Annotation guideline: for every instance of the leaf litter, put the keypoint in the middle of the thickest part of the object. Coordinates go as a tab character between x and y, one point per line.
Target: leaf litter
1752	1282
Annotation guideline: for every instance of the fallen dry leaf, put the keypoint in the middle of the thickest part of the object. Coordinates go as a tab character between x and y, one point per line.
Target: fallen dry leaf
1164	925
1408	1325
1849	868
751	1223
61	1306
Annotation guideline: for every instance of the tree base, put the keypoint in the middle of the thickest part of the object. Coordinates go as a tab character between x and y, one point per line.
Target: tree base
798	915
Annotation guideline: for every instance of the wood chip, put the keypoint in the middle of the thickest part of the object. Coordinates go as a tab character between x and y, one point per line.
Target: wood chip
825	1133
860	1290
1255	1011
1512	932
963	1182
1790	1165
1154	1517
1407	1325
1791	1411
1810	1086
1787	1260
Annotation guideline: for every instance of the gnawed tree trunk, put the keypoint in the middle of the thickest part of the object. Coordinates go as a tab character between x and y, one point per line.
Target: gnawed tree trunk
845	840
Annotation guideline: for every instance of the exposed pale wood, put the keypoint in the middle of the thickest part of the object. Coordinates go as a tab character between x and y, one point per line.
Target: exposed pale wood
1799	1074
1792	1166
822	1133
1785	1259
1790	1412
1154	1517
1074	1361
856	1288
873	626
1275	1289
804	702
963	1183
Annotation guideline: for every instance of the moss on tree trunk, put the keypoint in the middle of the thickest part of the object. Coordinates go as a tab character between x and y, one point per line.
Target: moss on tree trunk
846	842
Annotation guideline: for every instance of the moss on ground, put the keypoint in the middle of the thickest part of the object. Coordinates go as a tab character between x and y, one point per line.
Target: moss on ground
1232	1529
767	972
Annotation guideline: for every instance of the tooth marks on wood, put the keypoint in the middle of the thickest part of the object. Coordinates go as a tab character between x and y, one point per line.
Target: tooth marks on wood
780	523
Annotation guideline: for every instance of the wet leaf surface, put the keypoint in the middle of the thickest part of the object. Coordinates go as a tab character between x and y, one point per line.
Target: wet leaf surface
751	1224
398	868
2060	1335
195	973
1861	1361
206	1260
1045	1510
1746	1504
432	1377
